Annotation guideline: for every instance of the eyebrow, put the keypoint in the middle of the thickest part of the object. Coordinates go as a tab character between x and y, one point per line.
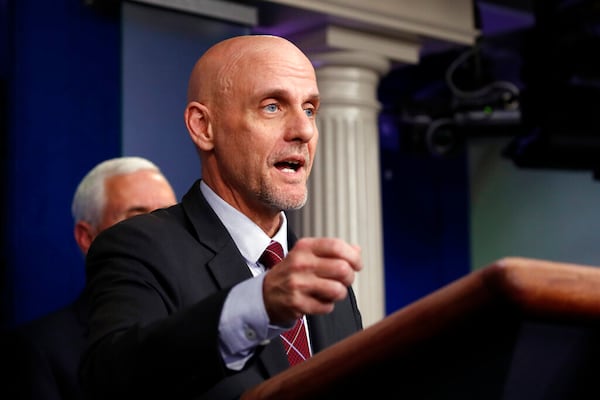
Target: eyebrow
281	93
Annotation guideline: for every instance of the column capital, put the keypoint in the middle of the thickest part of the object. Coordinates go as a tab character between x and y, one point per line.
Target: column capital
357	59
349	78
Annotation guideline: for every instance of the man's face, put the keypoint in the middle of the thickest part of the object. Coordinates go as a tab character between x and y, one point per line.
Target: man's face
266	133
135	193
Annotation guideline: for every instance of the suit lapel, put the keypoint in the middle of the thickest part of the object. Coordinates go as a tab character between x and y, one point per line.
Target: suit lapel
228	267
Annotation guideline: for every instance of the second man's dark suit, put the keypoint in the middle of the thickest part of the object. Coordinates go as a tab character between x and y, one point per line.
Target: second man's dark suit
158	283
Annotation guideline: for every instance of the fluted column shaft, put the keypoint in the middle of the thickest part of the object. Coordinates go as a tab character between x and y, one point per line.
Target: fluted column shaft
344	187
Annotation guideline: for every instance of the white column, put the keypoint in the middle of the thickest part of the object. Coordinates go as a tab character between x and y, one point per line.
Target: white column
344	187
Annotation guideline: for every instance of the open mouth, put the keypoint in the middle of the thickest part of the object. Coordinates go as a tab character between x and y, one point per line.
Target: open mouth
289	165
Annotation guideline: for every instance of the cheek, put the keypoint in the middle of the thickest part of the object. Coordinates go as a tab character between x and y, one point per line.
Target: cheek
312	147
250	139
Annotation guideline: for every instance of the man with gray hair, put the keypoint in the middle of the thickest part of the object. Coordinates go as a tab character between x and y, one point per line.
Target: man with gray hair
47	350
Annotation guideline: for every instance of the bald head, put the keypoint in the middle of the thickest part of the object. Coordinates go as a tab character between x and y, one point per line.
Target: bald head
222	65
251	113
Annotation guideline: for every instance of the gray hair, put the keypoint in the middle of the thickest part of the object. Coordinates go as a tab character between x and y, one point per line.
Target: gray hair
90	197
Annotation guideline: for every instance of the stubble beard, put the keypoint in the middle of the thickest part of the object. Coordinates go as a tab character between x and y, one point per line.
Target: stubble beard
282	200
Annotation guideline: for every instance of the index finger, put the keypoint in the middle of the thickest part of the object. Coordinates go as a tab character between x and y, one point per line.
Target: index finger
329	247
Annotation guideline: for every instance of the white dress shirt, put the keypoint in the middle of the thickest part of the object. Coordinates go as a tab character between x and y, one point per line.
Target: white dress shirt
245	324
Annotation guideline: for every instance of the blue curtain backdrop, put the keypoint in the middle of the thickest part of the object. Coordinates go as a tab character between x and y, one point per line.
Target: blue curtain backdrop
425	224
63	116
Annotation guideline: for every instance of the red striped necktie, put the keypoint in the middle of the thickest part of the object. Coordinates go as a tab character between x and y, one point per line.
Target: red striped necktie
295	341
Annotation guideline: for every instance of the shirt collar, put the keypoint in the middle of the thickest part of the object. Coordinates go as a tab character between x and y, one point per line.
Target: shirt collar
249	238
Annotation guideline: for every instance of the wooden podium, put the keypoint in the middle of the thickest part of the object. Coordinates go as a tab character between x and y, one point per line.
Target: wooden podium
517	329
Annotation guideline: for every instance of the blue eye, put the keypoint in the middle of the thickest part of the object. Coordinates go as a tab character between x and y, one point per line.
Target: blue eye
310	112
271	108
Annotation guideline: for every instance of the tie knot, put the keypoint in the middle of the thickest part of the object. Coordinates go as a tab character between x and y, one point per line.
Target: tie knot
272	255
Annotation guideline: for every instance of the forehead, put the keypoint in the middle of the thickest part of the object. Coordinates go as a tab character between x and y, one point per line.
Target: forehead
128	185
264	71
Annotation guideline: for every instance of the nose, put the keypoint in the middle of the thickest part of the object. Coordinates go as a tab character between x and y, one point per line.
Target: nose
301	126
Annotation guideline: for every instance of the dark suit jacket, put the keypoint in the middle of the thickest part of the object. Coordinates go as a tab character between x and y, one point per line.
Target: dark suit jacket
157	284
42	356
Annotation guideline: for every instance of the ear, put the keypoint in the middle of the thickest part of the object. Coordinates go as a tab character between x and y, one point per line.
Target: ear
198	124
84	234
